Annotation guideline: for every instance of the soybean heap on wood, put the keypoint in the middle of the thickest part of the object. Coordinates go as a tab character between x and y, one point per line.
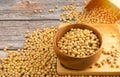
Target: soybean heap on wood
37	58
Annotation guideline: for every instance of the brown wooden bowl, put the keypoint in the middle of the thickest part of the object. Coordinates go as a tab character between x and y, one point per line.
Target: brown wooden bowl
74	62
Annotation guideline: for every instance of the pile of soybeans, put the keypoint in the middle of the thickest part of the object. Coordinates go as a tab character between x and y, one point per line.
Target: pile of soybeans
79	43
37	57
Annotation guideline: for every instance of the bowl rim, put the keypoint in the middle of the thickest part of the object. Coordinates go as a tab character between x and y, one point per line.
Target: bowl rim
88	26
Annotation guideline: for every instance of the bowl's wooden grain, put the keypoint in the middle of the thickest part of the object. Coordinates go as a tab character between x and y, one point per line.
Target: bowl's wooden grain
73	62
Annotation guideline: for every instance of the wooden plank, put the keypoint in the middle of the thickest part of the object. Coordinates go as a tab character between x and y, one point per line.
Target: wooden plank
16	44
24	10
28	24
20	27
3	54
4	4
12	38
12	32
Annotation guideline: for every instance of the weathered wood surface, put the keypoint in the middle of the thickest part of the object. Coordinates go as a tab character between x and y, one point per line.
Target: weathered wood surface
22	9
16	16
13	31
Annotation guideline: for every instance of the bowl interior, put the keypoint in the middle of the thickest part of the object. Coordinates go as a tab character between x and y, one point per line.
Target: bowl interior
63	30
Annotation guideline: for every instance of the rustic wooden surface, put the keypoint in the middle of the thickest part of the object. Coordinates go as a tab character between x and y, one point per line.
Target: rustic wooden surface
21	9
16	16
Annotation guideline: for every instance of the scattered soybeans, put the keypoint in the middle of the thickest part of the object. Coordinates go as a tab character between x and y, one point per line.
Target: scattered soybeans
72	2
85	2
113	35
56	7
97	15
10	45
78	4
27	31
37	58
35	11
5	49
41	11
51	10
